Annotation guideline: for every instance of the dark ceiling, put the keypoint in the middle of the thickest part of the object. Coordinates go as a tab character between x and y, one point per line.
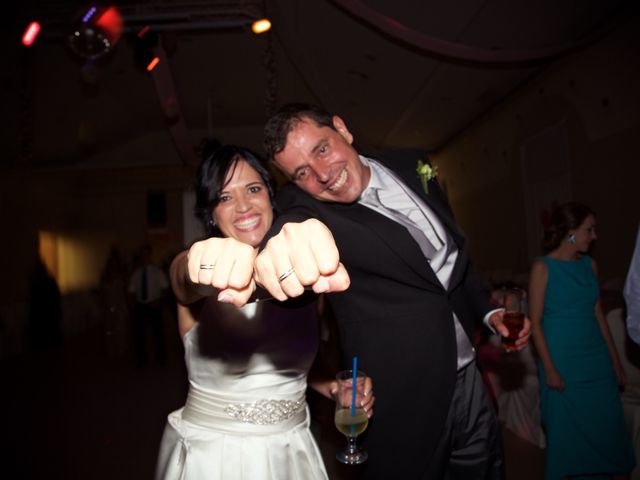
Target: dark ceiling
413	72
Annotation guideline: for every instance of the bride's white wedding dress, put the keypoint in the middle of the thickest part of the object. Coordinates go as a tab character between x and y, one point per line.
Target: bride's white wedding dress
245	416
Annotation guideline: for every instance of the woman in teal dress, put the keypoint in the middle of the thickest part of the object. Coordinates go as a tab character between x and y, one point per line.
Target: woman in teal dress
580	372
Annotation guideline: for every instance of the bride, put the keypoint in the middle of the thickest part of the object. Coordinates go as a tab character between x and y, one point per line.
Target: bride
245	416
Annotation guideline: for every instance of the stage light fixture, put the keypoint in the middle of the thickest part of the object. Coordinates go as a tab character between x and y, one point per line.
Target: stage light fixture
98	32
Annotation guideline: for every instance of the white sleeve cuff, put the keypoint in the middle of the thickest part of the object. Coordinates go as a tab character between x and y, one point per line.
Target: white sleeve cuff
488	315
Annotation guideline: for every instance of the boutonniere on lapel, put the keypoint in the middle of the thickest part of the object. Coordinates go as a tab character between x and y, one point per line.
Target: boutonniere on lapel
425	173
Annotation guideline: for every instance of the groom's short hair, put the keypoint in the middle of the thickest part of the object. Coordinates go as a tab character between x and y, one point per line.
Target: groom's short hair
286	119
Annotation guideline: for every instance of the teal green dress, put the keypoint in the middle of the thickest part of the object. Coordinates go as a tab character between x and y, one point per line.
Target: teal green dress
586	433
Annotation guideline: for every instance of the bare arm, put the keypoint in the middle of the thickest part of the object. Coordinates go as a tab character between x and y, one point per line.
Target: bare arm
186	319
321	376
326	362
537	286
608	338
185	291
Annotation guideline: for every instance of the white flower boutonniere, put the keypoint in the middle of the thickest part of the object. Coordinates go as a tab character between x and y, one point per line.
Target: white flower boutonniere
425	173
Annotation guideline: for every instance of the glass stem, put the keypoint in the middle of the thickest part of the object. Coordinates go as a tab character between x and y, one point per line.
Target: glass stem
352	444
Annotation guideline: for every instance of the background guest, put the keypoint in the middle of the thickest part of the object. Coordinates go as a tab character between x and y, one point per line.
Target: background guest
113	299
632	294
579	366
148	286
44	317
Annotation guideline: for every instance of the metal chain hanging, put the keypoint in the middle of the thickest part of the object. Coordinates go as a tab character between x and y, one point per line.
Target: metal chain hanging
26	111
271	94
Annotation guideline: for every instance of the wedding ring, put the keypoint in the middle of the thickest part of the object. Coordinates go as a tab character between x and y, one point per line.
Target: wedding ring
285	275
207	266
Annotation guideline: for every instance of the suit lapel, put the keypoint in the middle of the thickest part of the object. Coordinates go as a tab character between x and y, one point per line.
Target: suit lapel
436	201
394	235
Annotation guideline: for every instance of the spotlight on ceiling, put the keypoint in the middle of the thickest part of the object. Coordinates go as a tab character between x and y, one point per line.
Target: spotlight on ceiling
97	32
261	26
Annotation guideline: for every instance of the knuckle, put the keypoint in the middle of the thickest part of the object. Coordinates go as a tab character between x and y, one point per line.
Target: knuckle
313	223
270	245
306	277
295	290
289	228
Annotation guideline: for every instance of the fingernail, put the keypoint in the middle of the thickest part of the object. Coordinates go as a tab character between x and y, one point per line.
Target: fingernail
224	297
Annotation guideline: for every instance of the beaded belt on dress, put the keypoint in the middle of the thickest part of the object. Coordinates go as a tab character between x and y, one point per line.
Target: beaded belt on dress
234	413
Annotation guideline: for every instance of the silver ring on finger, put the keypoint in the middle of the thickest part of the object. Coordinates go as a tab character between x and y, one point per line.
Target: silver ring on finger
285	275
207	266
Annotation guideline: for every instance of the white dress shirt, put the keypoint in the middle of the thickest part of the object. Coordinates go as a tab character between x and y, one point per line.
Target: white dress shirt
387	194
157	283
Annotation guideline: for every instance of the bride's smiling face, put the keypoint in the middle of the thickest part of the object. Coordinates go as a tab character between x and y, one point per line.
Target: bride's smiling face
244	211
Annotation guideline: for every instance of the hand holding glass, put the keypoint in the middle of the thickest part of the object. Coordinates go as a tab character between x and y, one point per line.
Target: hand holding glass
513	317
350	419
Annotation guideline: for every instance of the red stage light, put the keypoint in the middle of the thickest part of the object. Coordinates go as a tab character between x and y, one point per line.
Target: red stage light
143	31
97	32
30	34
153	63
111	23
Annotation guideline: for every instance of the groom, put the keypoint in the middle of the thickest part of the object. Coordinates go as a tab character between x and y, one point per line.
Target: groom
413	303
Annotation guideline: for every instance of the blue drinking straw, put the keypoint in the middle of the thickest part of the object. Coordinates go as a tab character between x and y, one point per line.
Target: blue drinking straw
353	386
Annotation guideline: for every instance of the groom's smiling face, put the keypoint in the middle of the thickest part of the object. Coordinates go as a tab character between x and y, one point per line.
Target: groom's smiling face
322	162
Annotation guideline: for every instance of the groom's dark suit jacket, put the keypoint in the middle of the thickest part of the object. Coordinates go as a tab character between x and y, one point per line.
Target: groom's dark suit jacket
397	318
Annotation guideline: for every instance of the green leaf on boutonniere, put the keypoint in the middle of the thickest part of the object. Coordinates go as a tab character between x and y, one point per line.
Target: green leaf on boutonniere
425	173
